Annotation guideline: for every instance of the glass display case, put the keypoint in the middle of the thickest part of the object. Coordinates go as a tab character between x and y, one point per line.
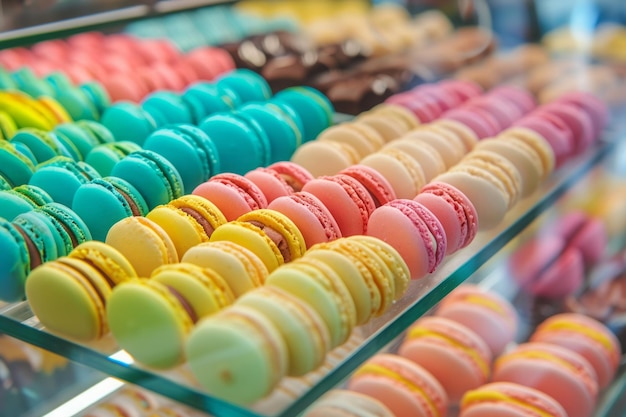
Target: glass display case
53	376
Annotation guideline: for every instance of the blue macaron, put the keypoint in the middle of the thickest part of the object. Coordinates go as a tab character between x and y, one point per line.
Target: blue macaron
190	150
246	84
205	98
156	179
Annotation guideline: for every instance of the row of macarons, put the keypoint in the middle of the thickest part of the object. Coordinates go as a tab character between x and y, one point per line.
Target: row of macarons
470	341
127	67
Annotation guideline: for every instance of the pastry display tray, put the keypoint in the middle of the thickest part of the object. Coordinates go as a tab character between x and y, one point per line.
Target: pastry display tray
18	321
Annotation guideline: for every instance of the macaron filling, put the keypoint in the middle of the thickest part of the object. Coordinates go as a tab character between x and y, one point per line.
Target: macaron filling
183	303
276	237
200	219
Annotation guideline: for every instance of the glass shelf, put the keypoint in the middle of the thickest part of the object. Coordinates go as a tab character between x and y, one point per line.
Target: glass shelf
18	321
34	24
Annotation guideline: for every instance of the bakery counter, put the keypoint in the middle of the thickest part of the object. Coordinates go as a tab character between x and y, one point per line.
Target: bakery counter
18	321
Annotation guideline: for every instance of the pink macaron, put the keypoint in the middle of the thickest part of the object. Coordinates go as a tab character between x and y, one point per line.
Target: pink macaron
554	131
406	388
559	372
488	314
233	194
414	231
456	356
376	184
455	212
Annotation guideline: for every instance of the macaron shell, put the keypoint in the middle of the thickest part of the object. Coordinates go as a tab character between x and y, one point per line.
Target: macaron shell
424	154
325	157
403	173
240	267
270	183
343	403
143	242
364	139
108	260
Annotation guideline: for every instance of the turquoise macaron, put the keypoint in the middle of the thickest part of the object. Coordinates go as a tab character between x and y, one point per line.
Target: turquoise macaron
205	98
15	168
104	157
58	81
315	109
81	138
14	262
167	107
128	122
97	95
77	104
27	82
6	81
22	199
60	177
241	142
36	228
5	185
44	145
67	228
156	179
102	202
192	152
100	132
282	131
246	84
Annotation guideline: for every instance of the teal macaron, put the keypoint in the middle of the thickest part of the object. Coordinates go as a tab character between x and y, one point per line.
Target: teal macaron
246	84
241	142
191	151
100	132
67	228
5	185
60	177
98	96
44	145
58	81
156	179
167	107
82	140
205	98
102	202
77	104
6	81
14	262
36	228
15	168
128	122
314	108
104	157
22	199
27	82
282	131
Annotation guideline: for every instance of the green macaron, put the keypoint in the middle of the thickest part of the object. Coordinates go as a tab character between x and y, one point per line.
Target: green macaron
104	157
22	199
68	228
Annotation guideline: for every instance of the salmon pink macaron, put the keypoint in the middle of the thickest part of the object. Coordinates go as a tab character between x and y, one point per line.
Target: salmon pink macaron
403	386
554	370
586	336
488	314
233	194
347	199
375	183
505	399
414	231
454	210
451	352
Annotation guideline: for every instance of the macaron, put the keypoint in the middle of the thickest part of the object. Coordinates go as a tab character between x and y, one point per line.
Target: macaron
376	184
188	220
69	295
454	210
67	228
363	138
272	184
164	310
167	107
15	167
246	84
403	386
189	150
414	231
425	155
313	107
302	328
510	400
488	314
349	202
317	284
152	175
340	403
241	142
61	177
17	258
310	215
102	202
128	122
205	99
325	157
404	174
103	157
456	356
43	144
21	199
554	370
237	354
144	243
241	268
232	193
295	175
588	337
